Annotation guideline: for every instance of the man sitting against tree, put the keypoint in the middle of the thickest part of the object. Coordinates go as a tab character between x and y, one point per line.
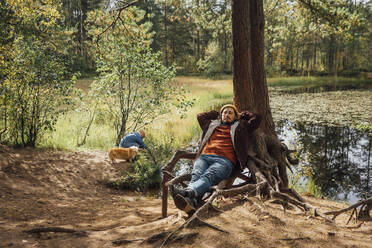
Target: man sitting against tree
224	147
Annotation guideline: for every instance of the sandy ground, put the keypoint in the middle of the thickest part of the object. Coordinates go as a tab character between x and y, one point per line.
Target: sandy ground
44	188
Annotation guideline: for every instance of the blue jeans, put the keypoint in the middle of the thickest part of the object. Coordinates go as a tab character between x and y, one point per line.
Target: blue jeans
209	170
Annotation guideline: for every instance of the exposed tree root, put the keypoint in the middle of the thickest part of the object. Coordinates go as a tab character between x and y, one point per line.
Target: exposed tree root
366	206
192	222
40	230
186	236
304	205
351	216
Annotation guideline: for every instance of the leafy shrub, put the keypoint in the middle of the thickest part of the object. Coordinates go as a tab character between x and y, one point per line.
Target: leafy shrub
35	88
144	173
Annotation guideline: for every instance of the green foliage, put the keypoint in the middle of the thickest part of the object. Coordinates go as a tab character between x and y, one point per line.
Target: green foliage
364	127
75	14
133	86
213	62
144	173
308	37
302	37
307	186
36	87
7	16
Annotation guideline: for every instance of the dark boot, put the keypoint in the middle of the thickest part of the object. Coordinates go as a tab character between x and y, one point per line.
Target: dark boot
184	192
185	203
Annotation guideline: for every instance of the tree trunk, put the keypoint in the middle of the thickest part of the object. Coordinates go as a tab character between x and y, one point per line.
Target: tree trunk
197	35
315	51
331	54
250	87
82	30
165	34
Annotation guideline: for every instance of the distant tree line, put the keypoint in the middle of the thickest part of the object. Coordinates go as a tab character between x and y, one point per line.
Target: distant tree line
302	37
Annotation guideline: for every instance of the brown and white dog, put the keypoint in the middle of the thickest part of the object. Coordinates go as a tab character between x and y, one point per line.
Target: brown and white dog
127	154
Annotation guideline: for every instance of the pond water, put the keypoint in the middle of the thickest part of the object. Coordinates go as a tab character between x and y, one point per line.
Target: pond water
336	160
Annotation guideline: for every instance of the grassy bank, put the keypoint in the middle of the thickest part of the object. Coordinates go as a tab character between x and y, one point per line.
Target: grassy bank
318	84
71	128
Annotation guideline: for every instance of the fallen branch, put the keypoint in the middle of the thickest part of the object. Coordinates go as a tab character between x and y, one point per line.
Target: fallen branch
354	206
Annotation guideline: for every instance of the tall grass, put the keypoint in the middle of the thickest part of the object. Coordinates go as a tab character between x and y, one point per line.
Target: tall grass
304	84
208	94
70	130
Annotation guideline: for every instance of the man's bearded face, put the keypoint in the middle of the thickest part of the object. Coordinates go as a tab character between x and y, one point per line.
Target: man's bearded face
228	115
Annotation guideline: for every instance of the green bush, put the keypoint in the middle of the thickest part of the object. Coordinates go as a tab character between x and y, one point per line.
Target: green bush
35	93
145	173
35	72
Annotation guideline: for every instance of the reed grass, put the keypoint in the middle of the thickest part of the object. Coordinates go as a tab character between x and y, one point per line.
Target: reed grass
319	83
70	130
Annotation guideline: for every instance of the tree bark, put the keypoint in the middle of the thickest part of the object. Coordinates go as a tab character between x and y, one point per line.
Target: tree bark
250	87
165	34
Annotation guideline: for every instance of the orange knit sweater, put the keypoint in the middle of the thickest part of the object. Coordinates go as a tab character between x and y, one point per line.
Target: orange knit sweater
220	144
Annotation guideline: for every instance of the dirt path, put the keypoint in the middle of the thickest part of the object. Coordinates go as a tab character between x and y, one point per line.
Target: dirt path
68	189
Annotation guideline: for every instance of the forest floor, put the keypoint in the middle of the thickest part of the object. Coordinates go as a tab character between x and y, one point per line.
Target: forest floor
45	188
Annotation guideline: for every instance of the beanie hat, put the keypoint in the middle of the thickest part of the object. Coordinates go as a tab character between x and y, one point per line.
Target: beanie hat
230	106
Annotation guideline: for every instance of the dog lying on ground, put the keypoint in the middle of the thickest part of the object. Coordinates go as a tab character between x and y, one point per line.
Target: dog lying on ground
127	154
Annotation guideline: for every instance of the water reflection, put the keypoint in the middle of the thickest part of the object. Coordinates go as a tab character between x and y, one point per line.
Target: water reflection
336	159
